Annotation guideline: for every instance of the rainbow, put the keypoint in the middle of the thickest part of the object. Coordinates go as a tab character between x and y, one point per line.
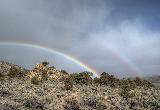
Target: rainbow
127	61
119	55
44	48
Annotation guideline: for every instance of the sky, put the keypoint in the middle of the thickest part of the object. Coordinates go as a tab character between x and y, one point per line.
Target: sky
121	37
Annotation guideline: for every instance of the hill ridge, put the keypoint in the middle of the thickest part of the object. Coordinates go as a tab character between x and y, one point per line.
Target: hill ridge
46	88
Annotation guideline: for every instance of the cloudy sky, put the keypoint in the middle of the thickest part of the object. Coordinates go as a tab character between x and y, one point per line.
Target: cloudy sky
121	37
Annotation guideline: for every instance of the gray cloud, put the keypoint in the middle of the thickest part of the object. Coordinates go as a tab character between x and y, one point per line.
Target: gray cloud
107	35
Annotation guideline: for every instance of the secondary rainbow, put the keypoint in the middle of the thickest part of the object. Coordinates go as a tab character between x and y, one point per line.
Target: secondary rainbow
44	48
119	55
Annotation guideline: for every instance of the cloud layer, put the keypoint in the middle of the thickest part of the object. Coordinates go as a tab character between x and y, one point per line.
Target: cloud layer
113	36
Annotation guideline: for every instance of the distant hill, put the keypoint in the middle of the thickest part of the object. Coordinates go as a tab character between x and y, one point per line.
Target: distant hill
46	88
154	79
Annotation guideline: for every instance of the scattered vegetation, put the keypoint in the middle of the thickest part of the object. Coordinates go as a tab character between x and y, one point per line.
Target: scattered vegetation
34	104
15	72
71	105
68	83
35	80
4	93
82	78
106	79
8	107
64	72
92	103
75	91
1	76
141	82
45	63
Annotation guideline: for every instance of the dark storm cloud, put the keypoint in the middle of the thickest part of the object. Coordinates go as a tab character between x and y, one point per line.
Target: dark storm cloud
96	32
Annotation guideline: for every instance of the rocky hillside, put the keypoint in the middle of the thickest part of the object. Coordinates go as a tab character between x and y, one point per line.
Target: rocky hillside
46	88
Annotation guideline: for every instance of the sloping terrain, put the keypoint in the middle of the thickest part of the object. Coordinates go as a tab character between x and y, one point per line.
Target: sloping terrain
154	79
45	88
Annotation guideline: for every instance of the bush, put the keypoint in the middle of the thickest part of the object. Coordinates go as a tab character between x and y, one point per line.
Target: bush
125	92
45	63
106	79
96	80
82	78
35	80
71	105
34	104
89	101
64	72
4	93
68	83
15	72
1	76
7	106
93	103
142	83
127	84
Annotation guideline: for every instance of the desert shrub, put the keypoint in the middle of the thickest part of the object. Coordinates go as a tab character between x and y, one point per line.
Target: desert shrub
81	78
132	104
68	83
15	72
52	67
124	92
92	103
35	80
143	83
34	104
131	84
45	63
7	106
4	93
154	104
124	84
71	105
101	106
147	83
96	80
106	79
89	101
64	72
138	81
1	76
127	84
44	75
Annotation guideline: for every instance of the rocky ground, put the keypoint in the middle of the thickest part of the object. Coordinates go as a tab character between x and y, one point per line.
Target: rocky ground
46	88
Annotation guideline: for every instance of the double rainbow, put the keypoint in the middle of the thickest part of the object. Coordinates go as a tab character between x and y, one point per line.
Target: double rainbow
117	54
